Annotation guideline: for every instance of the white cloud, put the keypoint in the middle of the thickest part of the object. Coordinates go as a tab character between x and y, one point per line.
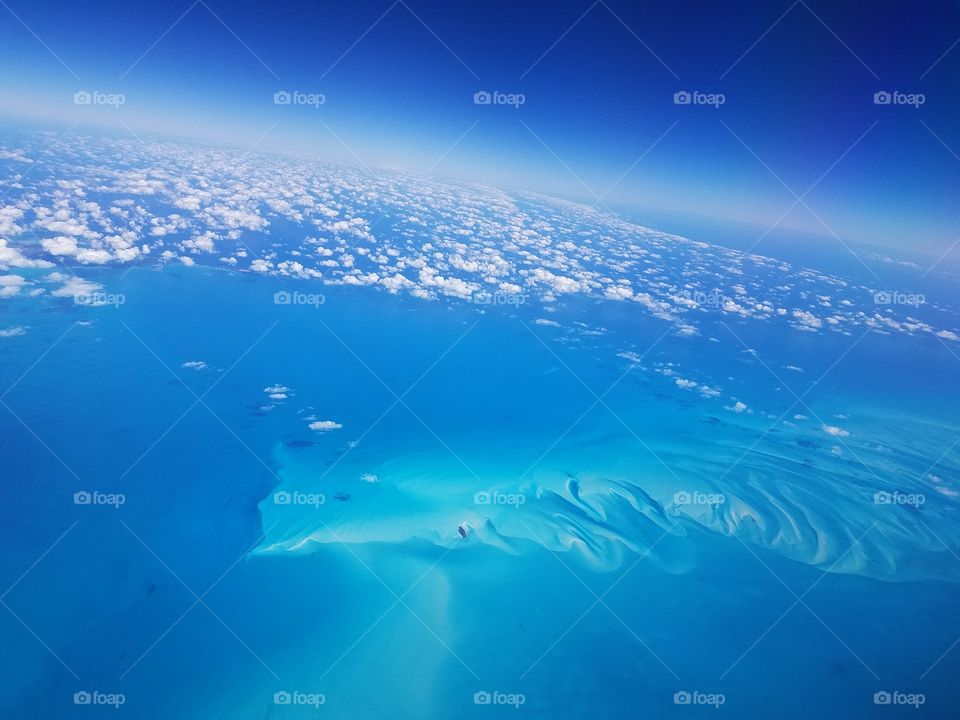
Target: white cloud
201	243
10	285
93	257
61	245
12	257
8	217
618	292
835	431
74	286
807	320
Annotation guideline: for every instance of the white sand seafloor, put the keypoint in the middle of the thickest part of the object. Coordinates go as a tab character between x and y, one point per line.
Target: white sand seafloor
605	498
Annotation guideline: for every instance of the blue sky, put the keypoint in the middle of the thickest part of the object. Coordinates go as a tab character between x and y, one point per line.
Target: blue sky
599	118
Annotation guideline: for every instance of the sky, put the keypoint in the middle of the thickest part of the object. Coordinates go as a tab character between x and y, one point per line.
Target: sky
785	129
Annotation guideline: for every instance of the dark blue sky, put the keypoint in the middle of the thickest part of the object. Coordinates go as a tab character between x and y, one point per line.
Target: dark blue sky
599	118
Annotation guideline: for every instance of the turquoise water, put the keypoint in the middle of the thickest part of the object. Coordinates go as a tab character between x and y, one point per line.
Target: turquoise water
476	520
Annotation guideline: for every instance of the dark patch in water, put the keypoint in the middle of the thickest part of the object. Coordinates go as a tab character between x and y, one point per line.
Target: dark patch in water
342	497
300	443
808	444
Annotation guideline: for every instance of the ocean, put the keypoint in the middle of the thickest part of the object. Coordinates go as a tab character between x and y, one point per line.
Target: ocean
228	495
